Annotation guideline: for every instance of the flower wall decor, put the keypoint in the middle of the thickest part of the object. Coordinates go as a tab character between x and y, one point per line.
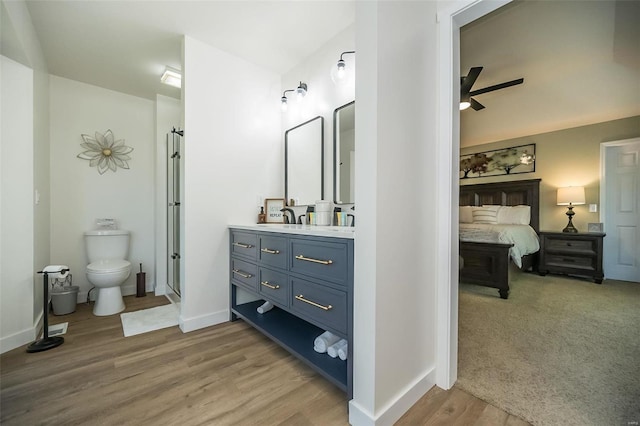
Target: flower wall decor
105	153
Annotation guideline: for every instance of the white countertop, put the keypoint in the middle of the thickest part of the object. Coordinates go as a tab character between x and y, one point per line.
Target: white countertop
321	231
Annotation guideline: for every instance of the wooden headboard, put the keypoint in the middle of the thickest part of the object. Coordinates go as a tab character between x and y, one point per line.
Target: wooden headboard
520	192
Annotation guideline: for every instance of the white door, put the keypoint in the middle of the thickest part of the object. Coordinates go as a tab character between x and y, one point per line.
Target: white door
620	195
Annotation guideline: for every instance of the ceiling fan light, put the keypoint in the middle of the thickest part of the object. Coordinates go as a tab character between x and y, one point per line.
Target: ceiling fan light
464	105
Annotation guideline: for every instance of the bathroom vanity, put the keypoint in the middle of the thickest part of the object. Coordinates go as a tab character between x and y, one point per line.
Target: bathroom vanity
306	272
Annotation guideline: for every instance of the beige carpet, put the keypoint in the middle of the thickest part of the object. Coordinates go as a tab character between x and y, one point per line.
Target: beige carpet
559	351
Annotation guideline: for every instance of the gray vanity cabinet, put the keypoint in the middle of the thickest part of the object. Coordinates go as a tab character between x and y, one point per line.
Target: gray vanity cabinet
309	280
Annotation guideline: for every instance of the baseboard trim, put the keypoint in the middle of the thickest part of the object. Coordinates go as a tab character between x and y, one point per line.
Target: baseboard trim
202	321
20	338
358	416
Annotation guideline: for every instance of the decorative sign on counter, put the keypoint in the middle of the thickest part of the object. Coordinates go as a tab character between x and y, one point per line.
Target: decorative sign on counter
273	206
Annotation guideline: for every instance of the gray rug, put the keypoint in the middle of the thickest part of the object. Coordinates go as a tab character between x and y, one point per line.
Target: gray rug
559	351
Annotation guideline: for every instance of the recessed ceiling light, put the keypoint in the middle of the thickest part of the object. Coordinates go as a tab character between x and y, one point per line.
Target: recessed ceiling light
172	77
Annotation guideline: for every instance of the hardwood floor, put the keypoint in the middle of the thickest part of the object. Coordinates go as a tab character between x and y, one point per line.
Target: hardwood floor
228	374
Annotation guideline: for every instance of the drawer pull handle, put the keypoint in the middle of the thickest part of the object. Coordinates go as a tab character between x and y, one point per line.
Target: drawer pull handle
266	250
317	305
242	245
242	274
272	287
309	259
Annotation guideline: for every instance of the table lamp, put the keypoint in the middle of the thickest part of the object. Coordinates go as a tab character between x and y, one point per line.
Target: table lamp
570	196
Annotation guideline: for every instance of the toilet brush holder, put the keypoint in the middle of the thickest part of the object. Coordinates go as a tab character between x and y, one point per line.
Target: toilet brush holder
141	289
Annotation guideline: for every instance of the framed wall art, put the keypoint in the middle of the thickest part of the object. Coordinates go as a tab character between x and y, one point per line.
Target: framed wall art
505	161
272	207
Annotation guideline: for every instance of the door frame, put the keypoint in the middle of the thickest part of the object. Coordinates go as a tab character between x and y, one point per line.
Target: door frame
605	149
450	18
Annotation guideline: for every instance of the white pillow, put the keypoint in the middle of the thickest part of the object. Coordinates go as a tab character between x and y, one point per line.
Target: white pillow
466	215
485	215
514	215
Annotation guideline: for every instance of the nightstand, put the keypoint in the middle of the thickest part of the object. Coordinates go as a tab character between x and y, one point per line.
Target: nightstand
572	254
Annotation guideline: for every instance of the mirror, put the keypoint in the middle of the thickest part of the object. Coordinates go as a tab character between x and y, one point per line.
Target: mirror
344	153
304	162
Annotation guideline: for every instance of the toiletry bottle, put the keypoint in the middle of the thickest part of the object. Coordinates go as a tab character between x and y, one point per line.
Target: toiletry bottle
262	217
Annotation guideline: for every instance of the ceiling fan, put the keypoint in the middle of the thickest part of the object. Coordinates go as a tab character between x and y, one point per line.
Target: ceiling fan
466	93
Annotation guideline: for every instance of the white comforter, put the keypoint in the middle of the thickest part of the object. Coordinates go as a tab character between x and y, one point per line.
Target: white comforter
523	237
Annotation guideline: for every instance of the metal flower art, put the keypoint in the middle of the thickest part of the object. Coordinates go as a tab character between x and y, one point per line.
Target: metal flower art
105	153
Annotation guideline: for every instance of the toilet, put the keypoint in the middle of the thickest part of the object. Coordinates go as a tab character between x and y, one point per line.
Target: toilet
107	250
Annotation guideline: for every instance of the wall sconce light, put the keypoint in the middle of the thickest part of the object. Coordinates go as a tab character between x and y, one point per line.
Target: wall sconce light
570	196
301	91
172	77
339	73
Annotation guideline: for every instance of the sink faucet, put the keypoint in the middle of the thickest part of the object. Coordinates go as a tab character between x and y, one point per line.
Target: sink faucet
286	218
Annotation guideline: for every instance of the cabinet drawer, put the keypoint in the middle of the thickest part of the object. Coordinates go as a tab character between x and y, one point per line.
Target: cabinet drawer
244	244
568	245
273	251
323	305
324	260
274	285
569	261
244	273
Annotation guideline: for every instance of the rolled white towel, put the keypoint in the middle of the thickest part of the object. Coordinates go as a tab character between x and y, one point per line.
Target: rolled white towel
317	349
342	352
325	340
333	349
265	307
55	271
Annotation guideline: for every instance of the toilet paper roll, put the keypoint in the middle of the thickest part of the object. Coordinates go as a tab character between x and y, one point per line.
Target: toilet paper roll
55	271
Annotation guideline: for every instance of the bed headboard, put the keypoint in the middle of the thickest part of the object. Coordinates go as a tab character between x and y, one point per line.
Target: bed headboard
520	192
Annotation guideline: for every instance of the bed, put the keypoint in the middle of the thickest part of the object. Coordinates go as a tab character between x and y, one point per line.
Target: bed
485	261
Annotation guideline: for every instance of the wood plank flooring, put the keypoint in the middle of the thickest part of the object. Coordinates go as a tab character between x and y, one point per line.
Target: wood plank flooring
228	374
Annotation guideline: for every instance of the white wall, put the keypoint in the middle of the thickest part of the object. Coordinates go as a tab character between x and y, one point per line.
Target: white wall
16	205
323	95
20	43
232	153
80	195
168	116
395	323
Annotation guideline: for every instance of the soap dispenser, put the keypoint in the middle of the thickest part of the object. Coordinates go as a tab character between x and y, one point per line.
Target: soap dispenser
262	217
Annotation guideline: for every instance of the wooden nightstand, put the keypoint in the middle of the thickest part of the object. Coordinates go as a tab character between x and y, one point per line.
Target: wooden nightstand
572	254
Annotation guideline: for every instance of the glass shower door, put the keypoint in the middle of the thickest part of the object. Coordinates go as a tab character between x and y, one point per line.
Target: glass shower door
173	209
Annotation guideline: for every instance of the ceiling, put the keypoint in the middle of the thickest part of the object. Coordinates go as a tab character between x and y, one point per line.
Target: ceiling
125	45
580	60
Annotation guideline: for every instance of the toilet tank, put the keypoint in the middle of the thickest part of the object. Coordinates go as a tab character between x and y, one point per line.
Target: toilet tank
107	244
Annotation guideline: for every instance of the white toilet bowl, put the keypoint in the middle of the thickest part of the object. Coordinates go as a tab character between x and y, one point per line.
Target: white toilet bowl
107	276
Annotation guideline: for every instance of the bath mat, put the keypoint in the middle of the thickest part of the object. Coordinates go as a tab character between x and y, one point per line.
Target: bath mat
146	320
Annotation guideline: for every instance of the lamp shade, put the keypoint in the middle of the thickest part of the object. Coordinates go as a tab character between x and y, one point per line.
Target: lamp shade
571	195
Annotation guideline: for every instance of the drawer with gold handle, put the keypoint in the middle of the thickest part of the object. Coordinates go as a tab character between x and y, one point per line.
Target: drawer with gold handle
274	285
323	306
244	244
273	251
328	261
244	273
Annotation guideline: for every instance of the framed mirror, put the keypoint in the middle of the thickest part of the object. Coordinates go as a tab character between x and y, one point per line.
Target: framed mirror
344	153
304	162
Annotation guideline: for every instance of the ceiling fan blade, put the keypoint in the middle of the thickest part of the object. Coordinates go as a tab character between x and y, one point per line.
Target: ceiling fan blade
477	106
467	82
497	87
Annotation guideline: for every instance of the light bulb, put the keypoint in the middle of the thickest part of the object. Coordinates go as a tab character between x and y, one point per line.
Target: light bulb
283	103
341	70
301	91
